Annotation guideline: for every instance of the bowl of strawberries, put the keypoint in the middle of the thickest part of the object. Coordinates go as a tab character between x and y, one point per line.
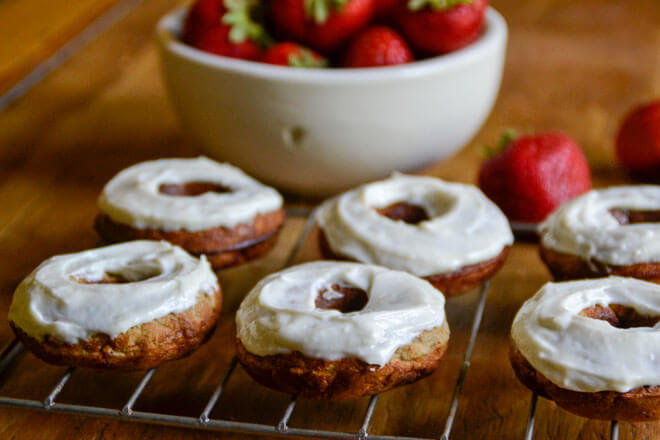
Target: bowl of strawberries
316	96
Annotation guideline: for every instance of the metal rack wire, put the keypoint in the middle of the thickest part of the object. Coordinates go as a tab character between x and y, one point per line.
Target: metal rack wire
281	428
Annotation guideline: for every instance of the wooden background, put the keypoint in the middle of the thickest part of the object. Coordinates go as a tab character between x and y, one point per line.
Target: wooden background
572	65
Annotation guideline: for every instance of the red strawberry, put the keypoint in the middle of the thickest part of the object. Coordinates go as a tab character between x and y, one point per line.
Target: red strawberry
377	46
225	27
533	174
638	141
293	55
440	26
322	24
384	8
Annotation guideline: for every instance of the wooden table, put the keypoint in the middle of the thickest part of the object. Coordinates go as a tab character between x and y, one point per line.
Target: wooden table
575	66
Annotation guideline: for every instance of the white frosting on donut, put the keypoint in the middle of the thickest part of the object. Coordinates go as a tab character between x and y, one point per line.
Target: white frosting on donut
585	227
280	315
464	227
132	197
52	300
584	354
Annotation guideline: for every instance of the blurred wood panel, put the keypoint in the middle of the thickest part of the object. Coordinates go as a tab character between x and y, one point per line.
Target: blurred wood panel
574	66
31	30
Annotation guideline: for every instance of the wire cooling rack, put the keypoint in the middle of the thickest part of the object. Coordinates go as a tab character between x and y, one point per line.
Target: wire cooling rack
281	428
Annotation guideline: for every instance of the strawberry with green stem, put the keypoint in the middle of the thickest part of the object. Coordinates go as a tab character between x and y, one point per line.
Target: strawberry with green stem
530	175
435	27
293	55
226	27
324	25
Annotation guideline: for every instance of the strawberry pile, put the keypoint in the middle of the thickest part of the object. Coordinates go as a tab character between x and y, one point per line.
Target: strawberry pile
342	33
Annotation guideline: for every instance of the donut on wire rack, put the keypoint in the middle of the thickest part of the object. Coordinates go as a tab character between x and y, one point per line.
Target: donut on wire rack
592	346
338	330
613	231
201	205
129	306
448	233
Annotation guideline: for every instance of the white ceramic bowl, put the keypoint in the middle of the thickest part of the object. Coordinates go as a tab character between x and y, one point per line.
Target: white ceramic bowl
320	131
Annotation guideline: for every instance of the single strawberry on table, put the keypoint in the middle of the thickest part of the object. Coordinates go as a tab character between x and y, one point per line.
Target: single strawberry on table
293	55
440	26
638	141
377	46
321	24
533	174
226	27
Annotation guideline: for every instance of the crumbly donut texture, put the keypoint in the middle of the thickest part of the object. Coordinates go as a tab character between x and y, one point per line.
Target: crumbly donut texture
570	267
222	246
347	378
641	404
139	348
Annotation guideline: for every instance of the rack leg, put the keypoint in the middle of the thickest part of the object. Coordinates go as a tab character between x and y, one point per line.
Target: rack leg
204	417
128	408
48	402
476	323
614	430
9	353
529	430
282	426
364	429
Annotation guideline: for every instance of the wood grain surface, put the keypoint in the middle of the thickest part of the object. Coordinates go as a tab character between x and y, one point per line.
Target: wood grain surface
31	30
575	66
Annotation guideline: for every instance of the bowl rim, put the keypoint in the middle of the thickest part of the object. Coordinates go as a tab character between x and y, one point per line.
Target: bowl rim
493	37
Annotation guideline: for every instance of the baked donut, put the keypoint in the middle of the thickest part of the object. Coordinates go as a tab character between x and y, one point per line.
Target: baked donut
201	205
614	231
129	306
593	347
339	331
448	233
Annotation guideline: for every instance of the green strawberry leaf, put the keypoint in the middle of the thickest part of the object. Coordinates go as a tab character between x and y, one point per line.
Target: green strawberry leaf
305	58
418	5
505	139
243	27
319	10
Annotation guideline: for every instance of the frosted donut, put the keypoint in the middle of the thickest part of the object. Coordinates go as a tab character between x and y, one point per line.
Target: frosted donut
593	347
127	306
201	205
448	233
337	331
612	231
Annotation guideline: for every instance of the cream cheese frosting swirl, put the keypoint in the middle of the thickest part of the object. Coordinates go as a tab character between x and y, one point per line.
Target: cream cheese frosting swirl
464	226
134	196
62	298
585	226
579	353
280	314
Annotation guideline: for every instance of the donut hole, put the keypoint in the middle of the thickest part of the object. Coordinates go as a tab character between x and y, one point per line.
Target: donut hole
191	189
341	297
120	276
407	212
630	216
620	316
